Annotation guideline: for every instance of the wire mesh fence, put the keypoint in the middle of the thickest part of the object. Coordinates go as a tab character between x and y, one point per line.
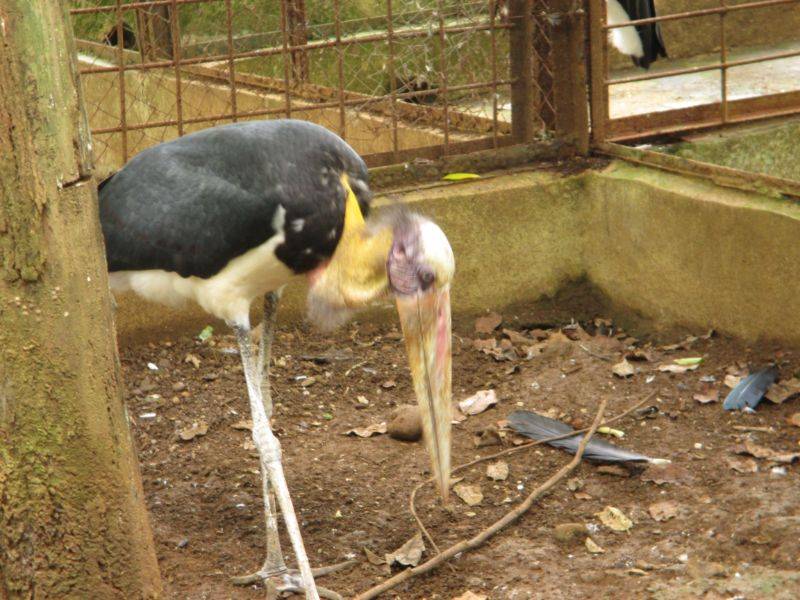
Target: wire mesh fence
398	79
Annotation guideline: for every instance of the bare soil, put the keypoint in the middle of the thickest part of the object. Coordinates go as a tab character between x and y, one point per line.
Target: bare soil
735	534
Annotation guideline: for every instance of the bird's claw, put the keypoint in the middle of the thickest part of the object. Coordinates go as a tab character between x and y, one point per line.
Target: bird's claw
278	581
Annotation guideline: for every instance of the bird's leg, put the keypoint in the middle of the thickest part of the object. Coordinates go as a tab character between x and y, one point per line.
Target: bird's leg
269	450
265	346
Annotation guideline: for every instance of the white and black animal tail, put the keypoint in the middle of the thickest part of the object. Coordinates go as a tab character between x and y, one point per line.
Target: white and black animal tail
643	43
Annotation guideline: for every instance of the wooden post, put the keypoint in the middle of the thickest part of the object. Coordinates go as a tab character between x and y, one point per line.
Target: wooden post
73	522
298	36
155	33
598	51
570	41
523	106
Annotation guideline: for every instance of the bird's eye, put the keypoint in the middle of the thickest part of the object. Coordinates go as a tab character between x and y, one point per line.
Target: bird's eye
426	277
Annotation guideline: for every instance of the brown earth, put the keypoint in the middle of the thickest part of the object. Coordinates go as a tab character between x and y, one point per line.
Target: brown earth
735	534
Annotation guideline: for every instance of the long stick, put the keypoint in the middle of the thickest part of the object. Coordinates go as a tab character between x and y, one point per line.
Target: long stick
497	526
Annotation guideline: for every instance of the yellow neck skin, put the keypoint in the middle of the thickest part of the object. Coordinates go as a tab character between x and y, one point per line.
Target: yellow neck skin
356	275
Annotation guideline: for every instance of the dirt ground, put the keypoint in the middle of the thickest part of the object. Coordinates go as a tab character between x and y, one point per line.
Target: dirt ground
734	526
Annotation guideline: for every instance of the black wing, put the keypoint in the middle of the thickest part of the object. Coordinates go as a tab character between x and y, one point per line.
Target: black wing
192	204
652	42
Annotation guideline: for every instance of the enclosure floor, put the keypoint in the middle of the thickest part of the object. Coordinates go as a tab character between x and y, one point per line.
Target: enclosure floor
734	533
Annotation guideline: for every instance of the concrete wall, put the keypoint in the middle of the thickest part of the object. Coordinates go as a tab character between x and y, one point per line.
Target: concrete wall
669	250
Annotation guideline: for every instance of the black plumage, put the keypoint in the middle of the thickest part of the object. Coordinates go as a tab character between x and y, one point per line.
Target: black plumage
192	204
652	42
539	427
750	390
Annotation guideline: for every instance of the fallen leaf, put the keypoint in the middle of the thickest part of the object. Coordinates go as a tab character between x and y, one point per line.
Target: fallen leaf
663	511
583	496
488	323
783	390
517	338
497	471
706	394
206	334
639	354
471	596
661	474
732	380
460	176
478	402
369	431
244	424
614	519
574	484
753	449
373	558
592	547
193	360
794	420
617	433
623	369
458	416
484	345
389	384
409	554
470	494
673	368
743	465
688	362
308	382
194	430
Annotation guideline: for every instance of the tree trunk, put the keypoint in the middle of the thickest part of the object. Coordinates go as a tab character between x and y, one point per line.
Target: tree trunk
73	523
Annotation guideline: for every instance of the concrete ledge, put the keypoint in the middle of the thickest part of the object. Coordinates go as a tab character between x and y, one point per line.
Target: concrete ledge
672	250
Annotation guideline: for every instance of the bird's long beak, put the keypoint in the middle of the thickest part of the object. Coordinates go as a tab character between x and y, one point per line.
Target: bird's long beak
425	318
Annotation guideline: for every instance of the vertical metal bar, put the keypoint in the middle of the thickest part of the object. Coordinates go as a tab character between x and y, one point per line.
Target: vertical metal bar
123	117
598	50
231	61
443	68
523	117
493	34
337	10
287	61
723	57
176	59
392	76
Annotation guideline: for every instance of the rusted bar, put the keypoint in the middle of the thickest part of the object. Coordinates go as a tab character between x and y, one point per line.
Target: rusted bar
598	46
392	76
231	62
724	176
131	6
704	68
286	59
723	59
176	54
493	58
346	41
569	74
542	72
337	10
443	90
298	38
523	117
703	12
123	117
296	108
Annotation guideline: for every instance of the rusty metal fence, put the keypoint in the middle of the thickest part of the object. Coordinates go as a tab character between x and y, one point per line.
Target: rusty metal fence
729	107
398	79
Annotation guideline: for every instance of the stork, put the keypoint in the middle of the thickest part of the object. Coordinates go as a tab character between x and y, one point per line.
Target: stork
231	214
643	43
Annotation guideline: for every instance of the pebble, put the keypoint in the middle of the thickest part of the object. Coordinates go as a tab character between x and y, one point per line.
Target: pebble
406	424
569	532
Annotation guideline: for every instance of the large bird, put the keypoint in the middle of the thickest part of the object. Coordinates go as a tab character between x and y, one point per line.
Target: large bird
231	214
643	43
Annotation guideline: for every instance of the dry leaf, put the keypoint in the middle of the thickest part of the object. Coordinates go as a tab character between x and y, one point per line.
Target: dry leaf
640	354
753	449
663	511
623	369
661	474
732	380
409	554
192	359
389	384
673	368
794	420
478	402
458	416
471	596
497	471
373	558
194	430
743	465
470	494
783	390
369	431
614	519
706	394
592	547
582	496
488	323
517	338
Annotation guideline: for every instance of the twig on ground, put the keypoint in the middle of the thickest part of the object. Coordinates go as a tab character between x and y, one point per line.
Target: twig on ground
495	527
595	354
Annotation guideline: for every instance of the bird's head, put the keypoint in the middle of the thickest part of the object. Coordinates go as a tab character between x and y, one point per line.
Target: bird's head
407	256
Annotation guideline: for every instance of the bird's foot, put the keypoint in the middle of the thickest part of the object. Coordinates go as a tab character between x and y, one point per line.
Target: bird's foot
278	581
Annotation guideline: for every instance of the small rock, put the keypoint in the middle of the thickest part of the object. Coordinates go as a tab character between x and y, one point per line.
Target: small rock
497	471
569	532
178	386
406	424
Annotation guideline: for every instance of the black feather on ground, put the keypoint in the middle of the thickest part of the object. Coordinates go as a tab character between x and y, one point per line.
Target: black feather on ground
750	390
538	427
